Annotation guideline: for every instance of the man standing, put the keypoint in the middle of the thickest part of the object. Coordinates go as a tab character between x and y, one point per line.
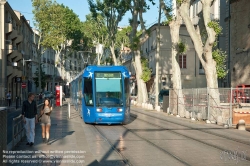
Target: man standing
8	97
29	112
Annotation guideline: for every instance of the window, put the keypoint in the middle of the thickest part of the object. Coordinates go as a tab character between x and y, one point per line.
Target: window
108	89
183	61
88	92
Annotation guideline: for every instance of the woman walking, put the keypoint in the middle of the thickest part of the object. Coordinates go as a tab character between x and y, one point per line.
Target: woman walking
45	120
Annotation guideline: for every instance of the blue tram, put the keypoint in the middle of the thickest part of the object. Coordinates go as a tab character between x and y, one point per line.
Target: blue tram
101	94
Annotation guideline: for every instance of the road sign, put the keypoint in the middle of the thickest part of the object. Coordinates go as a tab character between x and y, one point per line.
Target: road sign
24	85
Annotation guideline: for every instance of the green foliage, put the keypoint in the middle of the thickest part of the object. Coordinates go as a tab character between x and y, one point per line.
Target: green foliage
55	22
109	60
215	26
182	47
122	37
179	2
220	58
95	29
36	80
146	72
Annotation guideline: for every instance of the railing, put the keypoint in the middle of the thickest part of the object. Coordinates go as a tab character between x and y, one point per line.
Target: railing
3	131
205	103
18	131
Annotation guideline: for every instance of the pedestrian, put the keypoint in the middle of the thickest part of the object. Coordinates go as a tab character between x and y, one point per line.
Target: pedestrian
29	113
8	97
45	120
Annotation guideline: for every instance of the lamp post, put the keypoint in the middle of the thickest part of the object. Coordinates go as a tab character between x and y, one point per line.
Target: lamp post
82	55
24	73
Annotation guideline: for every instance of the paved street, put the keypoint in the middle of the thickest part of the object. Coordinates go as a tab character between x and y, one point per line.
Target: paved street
151	138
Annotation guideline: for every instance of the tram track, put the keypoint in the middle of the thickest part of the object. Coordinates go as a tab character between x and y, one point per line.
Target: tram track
183	135
124	159
207	132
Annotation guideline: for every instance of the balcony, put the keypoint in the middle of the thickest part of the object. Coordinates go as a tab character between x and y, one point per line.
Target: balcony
9	70
9	49
19	38
13	34
13	55
8	28
19	56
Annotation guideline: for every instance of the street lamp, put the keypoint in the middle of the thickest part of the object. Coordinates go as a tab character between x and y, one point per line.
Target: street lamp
24	73
82	55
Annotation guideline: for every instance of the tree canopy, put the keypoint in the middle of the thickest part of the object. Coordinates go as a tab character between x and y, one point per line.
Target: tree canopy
56	23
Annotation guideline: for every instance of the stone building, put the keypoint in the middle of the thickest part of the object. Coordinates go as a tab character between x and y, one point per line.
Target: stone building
191	71
10	51
239	21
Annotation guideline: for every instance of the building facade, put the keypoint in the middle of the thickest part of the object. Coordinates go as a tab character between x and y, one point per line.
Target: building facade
10	51
191	72
239	21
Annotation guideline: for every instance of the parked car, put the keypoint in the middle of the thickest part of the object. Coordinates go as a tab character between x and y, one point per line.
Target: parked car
48	94
163	92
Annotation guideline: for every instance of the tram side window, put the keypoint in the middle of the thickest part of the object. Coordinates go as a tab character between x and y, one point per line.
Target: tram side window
80	91
88	92
127	89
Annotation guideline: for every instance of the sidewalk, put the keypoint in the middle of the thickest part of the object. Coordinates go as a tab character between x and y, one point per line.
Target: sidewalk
67	140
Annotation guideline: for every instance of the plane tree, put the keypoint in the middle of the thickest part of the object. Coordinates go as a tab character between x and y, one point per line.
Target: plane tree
204	37
57	25
113	12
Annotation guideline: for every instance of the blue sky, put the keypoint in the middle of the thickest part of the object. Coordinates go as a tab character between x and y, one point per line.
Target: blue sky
81	8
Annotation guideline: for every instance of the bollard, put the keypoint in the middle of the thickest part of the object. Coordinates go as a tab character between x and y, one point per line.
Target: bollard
16	102
241	125
69	109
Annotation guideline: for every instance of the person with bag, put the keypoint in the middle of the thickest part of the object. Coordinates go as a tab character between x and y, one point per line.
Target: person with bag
29	114
45	120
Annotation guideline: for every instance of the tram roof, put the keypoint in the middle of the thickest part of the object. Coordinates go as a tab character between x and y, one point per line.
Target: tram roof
91	69
88	71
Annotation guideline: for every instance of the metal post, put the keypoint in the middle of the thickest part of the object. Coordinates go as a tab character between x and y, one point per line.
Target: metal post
13	133
208	104
193	104
230	107
69	110
178	95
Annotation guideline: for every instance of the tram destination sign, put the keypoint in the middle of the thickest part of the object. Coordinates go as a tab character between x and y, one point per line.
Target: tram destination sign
108	75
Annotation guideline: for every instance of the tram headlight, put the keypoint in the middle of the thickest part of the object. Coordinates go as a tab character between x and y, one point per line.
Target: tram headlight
99	109
119	109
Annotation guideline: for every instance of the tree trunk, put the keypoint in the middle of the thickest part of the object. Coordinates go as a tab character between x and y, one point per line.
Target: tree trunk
112	49
176	78
174	25
158	45
208	64
142	96
141	85
98	58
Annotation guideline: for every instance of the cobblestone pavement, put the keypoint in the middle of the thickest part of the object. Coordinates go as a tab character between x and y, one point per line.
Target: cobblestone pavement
151	138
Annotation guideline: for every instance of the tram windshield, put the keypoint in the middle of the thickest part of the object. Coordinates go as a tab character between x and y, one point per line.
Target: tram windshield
108	89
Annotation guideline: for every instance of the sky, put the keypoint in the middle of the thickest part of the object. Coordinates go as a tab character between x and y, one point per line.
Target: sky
81	8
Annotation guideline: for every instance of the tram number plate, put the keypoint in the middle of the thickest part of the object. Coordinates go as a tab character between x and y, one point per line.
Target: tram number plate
108	115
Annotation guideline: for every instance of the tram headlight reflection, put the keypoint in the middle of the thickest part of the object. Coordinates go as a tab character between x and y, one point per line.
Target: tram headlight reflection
119	109
99	109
